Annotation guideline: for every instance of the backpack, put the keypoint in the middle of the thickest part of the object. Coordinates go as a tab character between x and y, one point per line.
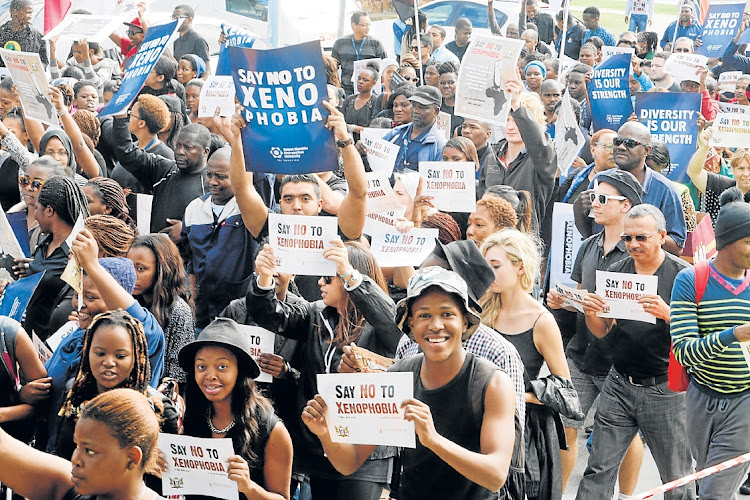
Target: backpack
677	375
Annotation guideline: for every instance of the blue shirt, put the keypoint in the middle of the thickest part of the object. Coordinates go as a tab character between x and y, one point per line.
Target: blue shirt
659	191
603	33
692	31
427	146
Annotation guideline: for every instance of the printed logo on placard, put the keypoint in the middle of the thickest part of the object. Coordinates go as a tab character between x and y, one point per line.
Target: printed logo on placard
276	152
341	430
176	482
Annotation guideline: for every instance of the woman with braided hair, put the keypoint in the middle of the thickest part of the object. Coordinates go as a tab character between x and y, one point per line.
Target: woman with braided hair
105	196
114	356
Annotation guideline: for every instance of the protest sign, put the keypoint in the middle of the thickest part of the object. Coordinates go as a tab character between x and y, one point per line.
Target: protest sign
30	80
217	92
380	195
392	248
572	297
621	291
362	64
451	183
673	119
197	466
140	66
702	242
73	272
569	139
728	81
8	243
565	64
17	295
143	205
94	28
20	227
281	92
381	154
684	66
480	90
236	37
444	124
388	218
719	27
368	361
365	408
42	351
608	50
609	93
299	241
54	340
261	341
727	107
566	240
731	130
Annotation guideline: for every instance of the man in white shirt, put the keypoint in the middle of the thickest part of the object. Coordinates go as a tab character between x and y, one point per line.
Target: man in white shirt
439	52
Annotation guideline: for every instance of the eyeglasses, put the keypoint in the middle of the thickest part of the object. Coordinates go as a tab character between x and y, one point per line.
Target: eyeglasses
130	113
134	32
414	49
629	143
175	17
25	180
605	145
364	25
602	198
327	279
640	238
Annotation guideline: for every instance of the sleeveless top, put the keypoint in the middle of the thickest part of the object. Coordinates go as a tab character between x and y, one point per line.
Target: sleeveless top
425	475
531	357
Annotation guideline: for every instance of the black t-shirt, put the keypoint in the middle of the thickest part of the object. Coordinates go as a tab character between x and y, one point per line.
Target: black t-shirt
641	349
191	43
459	51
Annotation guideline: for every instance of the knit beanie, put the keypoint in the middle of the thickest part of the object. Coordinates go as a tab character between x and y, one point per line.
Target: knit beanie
122	270
733	222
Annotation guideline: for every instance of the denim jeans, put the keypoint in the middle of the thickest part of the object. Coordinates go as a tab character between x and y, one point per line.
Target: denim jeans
719	429
624	409
638	22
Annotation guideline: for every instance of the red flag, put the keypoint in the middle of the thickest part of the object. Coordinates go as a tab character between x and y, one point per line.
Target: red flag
54	12
702	242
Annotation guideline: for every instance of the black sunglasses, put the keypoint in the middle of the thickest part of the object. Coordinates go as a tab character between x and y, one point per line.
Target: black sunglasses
640	238
327	279
629	143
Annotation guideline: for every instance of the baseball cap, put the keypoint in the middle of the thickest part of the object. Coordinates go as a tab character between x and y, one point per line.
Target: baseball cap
426	277
427	94
135	23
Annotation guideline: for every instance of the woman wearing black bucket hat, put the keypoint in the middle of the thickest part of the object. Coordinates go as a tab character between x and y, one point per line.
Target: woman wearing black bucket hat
222	401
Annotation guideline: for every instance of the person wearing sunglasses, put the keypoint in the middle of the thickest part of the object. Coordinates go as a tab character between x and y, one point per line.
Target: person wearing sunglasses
189	41
588	357
354	308
635	394
130	44
631	146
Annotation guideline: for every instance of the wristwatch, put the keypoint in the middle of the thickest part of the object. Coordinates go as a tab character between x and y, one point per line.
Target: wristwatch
343	144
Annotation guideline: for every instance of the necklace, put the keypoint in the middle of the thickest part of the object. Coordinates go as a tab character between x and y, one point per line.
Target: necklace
211	424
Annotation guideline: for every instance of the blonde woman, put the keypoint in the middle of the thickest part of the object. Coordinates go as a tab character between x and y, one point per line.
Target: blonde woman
509	308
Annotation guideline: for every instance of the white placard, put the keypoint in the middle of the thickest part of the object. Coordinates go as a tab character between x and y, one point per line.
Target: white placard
451	183
217	92
93	28
569	140
608	50
381	154
359	66
261	342
54	340
42	351
8	241
480	87
380	195
728	81
566	240
731	130
572	297
444	124
684	66
365	408
299	241
143	204
392	248
79	226
197	466
388	218
726	107
30	80
621	291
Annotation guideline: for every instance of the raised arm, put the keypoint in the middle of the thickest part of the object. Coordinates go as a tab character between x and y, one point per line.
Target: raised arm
354	205
254	211
695	169
147	167
492	20
84	156
32	473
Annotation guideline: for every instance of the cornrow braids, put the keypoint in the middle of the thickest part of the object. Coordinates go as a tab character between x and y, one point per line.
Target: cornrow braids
113	235
84	387
112	197
65	197
88	123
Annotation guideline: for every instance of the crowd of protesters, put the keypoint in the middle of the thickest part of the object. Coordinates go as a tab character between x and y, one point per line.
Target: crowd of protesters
505	369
